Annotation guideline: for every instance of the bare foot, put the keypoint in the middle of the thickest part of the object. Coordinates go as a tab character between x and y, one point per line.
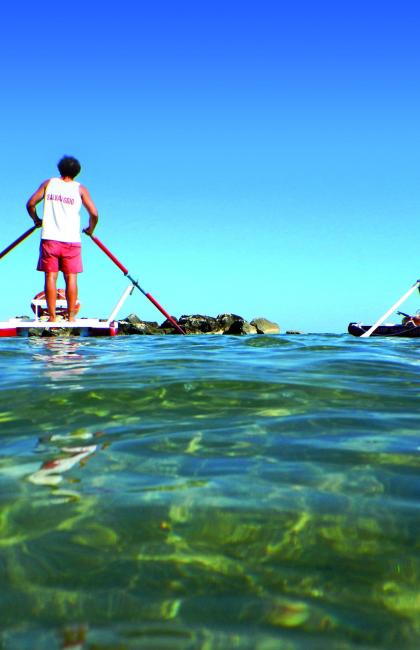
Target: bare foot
71	317
51	319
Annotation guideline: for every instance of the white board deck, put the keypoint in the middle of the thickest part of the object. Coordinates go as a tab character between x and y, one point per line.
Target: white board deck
42	324
22	327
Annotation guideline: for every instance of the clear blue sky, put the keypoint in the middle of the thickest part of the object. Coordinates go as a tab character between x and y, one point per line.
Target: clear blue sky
254	157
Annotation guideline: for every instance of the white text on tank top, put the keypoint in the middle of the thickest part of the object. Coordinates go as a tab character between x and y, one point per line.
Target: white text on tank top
62	203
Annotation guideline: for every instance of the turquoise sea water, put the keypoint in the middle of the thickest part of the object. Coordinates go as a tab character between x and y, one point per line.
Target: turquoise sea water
209	492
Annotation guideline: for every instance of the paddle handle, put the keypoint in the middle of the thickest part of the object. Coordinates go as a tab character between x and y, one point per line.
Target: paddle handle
391	310
17	241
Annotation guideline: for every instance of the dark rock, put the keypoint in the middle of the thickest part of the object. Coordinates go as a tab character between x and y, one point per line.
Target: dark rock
133	319
265	326
240	327
61	331
199	324
149	327
168	328
134	325
222	324
226	321
294	332
191	324
35	331
53	332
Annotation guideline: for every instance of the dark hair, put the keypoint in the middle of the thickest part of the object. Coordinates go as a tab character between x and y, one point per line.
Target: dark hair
69	166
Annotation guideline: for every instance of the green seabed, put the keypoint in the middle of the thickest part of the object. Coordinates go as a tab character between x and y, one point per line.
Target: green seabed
228	496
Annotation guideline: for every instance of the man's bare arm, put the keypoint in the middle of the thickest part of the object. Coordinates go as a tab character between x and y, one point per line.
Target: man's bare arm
91	208
33	201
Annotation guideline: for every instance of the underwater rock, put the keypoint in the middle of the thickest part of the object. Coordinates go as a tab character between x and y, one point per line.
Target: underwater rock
35	331
51	332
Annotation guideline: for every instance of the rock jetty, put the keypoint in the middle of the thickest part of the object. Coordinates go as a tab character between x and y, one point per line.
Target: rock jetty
199	324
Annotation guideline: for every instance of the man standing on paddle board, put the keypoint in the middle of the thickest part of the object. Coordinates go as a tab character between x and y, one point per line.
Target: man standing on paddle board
60	248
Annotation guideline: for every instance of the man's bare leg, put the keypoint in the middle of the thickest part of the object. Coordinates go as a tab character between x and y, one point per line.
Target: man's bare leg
71	294
51	293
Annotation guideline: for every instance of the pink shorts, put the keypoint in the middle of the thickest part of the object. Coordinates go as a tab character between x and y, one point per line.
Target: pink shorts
59	256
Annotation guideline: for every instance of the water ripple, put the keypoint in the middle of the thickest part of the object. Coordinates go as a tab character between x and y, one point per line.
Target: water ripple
209	492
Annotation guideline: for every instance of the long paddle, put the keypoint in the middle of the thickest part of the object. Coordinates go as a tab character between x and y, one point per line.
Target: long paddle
17	241
134	282
390	310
